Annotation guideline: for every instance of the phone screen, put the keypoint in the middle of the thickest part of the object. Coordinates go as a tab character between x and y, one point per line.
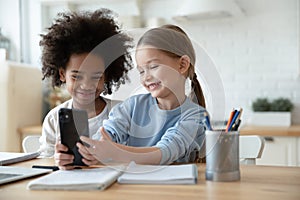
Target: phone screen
73	124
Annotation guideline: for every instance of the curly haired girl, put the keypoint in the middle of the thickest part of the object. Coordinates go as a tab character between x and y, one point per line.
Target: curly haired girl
88	53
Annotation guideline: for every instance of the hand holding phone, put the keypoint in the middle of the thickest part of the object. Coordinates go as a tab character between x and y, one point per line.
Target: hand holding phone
73	123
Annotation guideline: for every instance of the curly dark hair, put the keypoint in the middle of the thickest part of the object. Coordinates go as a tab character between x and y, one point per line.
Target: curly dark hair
83	32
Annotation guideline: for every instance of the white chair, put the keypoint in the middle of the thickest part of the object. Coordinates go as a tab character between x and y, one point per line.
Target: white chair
251	148
31	143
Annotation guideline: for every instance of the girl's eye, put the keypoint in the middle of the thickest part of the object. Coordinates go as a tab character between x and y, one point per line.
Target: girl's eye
97	78
154	66
141	72
76	77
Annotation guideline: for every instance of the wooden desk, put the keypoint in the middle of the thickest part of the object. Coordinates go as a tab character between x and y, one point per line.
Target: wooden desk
257	182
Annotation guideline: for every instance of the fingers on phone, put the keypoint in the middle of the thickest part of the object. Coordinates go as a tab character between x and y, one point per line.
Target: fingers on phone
90	162
63	159
60	148
86	144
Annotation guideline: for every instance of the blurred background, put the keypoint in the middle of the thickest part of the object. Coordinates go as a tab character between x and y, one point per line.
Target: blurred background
252	47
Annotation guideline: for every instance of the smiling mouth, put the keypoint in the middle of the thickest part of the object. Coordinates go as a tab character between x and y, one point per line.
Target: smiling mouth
153	86
86	94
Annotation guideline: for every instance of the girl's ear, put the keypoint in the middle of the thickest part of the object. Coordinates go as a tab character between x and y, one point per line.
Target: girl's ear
62	75
184	64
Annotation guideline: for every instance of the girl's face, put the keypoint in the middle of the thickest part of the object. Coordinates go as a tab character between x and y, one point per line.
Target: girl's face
84	78
161	74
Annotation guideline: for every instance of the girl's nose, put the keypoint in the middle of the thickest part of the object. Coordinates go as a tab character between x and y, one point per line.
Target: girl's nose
87	85
147	75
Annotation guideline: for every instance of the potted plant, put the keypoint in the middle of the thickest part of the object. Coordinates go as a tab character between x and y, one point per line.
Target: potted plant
281	105
274	113
261	105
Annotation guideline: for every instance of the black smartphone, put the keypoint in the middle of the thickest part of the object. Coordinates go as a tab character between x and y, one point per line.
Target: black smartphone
73	123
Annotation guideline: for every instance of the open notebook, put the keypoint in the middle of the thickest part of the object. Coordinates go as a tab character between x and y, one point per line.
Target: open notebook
13	173
159	174
101	178
77	179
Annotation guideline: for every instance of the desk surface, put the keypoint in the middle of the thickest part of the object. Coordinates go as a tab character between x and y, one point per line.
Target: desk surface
257	182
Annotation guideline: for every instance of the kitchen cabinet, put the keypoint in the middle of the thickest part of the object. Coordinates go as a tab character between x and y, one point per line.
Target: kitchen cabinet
21	101
298	151
282	144
281	151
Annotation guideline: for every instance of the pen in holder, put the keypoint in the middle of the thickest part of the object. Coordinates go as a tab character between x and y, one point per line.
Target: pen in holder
222	155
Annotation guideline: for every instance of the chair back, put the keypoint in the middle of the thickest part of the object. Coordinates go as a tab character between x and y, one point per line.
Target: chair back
31	143
251	148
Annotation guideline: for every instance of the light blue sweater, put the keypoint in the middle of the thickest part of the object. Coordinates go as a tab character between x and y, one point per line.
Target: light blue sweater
139	122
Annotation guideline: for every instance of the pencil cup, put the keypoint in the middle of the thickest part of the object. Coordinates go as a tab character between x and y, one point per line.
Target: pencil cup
222	156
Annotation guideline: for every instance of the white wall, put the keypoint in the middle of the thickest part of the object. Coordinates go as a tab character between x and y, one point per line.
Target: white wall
9	23
256	55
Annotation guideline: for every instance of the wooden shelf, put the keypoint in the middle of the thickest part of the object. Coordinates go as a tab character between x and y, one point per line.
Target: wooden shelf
34	130
293	130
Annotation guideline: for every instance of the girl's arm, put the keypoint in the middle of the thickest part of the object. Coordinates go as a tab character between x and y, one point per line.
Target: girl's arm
106	151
